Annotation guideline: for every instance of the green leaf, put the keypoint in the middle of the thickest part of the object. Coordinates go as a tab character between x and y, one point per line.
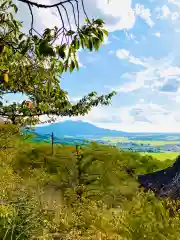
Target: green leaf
15	8
36	39
90	44
47	34
3	5
96	43
72	66
66	65
60	67
76	43
25	47
46	31
105	32
99	22
61	51
94	31
22	44
82	41
15	24
21	36
11	16
46	49
56	28
70	33
76	63
100	35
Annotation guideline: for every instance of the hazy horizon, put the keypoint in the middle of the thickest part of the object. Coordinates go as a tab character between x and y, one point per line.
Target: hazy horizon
122	130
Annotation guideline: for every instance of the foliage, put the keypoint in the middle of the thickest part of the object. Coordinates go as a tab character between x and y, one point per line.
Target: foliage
8	136
32	65
40	195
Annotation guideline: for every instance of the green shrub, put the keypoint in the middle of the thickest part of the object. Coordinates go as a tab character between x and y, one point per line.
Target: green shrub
39	195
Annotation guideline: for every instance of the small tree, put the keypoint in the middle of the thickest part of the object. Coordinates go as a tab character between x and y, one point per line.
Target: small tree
32	65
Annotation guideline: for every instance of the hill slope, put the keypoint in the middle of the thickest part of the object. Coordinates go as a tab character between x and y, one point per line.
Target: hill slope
77	128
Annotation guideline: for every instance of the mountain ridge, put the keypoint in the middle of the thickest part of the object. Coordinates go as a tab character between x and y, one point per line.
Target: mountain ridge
85	129
77	128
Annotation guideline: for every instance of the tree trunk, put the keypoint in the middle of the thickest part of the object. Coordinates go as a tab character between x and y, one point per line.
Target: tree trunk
165	183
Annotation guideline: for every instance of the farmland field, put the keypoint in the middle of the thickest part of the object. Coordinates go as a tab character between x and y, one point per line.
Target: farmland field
161	149
163	156
153	142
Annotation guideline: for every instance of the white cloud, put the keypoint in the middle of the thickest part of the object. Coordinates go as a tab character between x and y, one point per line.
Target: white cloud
145	117
163	12
144	13
157	34
175	16
120	10
125	54
129	87
177	99
122	53
138	80
171	71
141	100
75	99
155	74
142	117
79	62
132	36
176	2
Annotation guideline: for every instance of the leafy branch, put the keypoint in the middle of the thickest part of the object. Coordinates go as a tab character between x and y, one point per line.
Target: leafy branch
33	64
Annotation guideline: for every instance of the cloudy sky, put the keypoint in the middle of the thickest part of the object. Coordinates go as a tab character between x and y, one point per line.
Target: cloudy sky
140	60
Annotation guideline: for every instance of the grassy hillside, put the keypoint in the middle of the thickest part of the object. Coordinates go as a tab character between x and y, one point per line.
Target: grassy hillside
90	195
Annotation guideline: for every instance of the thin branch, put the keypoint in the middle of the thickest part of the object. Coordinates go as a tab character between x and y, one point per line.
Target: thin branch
37	32
59	32
77	6
74	14
45	6
57	5
67	16
32	19
62	25
85	11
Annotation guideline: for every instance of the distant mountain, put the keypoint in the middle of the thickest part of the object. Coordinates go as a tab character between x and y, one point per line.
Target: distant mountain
77	128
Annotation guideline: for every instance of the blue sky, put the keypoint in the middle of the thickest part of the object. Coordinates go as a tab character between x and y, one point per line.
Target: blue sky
140	60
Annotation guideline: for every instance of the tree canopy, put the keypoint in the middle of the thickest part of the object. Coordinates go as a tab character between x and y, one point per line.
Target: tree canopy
32	64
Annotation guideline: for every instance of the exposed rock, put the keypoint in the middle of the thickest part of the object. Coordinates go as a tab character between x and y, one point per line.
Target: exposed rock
165	183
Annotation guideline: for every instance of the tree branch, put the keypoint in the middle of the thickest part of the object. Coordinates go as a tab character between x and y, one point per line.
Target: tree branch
84	10
32	19
45	6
